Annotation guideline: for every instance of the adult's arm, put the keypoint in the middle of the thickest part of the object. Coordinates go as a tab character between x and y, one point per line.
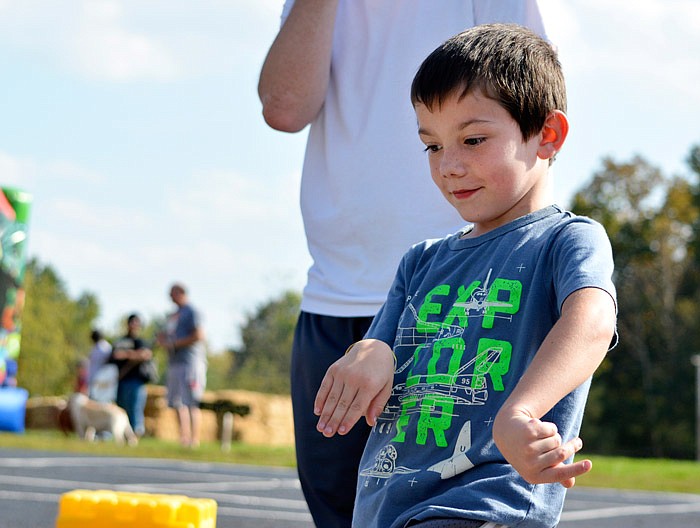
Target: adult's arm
196	336
294	77
141	353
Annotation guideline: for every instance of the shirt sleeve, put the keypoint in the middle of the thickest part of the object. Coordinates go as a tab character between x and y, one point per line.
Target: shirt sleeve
582	258
285	11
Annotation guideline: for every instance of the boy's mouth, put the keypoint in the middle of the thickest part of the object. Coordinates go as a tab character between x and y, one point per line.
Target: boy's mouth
462	194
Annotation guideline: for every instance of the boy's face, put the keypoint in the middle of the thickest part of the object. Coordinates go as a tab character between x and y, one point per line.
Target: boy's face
479	161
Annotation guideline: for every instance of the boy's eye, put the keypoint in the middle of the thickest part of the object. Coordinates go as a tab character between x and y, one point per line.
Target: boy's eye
432	148
474	141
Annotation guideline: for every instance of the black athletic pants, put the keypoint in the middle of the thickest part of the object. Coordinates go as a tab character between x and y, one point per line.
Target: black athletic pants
327	467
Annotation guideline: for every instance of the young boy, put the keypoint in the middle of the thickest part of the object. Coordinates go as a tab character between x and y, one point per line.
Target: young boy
495	330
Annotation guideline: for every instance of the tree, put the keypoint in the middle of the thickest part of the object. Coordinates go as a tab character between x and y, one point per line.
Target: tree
55	332
219	371
263	362
641	402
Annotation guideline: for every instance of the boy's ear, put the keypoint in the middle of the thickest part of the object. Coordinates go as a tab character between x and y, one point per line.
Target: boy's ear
553	134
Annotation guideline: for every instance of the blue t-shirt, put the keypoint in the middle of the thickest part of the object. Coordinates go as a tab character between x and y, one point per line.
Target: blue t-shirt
465	317
184	323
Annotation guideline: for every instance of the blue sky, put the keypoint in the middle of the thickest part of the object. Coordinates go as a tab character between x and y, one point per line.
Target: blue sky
136	127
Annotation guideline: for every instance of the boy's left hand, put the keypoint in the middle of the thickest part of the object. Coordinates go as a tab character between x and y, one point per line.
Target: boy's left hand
358	384
536	451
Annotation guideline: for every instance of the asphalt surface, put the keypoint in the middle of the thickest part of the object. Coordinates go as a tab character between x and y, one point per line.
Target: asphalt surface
31	484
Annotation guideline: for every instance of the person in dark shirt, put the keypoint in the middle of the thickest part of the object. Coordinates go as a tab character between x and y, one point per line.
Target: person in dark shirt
128	354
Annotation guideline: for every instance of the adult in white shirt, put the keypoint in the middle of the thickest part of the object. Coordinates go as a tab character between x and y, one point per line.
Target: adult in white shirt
345	67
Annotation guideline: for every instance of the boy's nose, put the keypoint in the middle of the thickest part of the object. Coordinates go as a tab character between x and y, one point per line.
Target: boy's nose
451	164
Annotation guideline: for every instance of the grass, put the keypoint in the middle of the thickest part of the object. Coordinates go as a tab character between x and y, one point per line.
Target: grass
151	448
682	476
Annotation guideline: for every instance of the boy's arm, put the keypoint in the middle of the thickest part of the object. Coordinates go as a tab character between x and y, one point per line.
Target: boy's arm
569	355
294	77
358	384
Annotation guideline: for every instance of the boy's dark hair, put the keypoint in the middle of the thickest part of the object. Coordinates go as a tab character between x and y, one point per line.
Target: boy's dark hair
506	62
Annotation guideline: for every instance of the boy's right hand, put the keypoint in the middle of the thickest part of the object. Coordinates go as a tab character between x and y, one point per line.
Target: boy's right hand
358	384
536	450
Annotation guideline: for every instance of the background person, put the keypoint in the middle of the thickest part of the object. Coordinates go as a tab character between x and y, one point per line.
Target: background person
345	67
99	354
184	340
81	376
129	352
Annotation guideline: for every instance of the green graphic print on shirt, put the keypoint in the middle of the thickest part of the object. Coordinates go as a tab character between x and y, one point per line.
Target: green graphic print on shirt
449	378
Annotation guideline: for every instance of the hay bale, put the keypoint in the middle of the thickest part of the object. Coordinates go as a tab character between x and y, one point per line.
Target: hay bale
162	422
269	421
43	412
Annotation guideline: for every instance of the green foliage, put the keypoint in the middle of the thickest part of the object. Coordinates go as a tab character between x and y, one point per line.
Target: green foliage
693	159
219	371
642	401
55	332
262	364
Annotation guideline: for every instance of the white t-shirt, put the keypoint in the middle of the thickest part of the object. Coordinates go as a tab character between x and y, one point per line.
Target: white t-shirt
366	192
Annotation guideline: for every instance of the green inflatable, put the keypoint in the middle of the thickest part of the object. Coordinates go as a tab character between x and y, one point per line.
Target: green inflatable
14	216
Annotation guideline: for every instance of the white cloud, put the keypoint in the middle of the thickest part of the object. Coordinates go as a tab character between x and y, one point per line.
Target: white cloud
230	197
104	47
130	40
654	42
106	218
69	171
14	171
79	256
29	173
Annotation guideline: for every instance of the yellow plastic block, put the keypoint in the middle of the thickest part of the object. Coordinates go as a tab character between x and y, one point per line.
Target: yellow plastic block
119	509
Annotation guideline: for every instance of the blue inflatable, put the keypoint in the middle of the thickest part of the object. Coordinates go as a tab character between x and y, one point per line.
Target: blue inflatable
13	404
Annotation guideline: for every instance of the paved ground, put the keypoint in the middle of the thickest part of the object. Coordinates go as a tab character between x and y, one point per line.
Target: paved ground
31	484
586	507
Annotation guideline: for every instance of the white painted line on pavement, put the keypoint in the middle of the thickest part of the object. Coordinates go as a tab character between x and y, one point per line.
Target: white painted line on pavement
29	496
183	489
221	511
622	511
264	514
